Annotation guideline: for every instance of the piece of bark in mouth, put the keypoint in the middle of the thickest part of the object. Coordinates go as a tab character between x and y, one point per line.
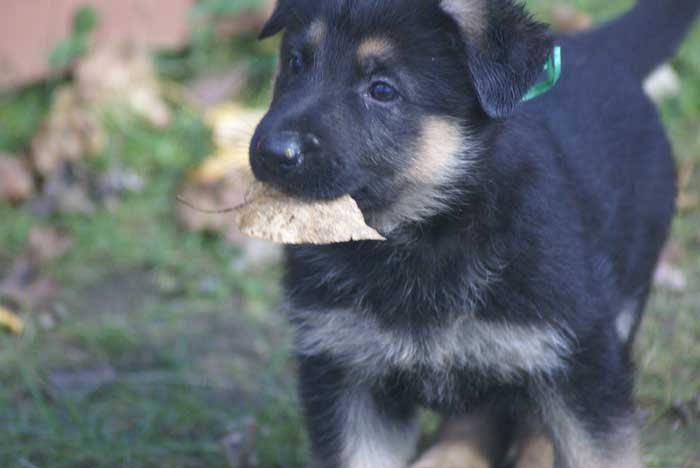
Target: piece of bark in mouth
277	217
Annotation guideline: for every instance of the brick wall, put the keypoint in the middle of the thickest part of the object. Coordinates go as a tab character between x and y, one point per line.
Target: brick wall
29	29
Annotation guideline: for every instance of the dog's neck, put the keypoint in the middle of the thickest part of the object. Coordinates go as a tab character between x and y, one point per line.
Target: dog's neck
433	212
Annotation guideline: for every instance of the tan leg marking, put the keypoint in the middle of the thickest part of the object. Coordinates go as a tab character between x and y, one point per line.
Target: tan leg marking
576	445
467	442
452	455
535	451
369	441
620	451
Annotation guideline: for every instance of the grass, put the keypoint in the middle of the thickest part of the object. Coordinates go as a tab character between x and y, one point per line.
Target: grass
188	346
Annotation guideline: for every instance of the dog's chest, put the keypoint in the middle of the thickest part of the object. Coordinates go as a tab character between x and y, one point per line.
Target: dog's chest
372	350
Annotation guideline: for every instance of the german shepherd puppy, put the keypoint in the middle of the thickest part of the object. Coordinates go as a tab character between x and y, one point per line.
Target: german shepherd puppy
522	236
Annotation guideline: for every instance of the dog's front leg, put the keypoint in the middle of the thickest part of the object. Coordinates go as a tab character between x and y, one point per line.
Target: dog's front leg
470	441
584	438
351	424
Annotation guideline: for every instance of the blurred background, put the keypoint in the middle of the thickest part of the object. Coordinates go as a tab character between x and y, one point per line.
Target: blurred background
137	332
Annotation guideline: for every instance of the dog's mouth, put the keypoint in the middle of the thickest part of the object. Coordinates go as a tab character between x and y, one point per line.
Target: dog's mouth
314	168
305	185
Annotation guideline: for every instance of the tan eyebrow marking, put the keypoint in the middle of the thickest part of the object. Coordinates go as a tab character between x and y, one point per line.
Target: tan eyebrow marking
378	47
317	32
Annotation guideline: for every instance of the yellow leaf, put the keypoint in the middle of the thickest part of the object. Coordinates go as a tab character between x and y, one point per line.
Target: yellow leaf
11	321
219	165
233	127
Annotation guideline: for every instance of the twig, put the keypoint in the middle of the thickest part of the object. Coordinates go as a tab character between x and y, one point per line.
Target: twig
190	205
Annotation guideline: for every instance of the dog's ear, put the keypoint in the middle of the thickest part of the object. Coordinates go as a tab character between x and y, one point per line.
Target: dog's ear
277	22
506	48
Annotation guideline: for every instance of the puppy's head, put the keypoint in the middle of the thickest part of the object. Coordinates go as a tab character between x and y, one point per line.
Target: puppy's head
386	100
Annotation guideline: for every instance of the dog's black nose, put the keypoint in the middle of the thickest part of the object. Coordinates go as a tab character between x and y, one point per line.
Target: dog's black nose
283	151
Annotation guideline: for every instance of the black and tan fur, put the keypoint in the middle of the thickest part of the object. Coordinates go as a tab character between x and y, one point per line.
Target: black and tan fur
521	237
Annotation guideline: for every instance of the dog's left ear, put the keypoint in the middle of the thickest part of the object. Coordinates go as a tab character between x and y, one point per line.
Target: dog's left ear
277	22
506	48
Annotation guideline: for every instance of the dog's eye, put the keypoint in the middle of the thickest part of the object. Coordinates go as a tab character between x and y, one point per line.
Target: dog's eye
296	63
383	92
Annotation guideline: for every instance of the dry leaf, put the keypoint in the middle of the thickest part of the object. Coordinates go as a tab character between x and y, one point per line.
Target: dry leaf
16	183
107	79
687	202
664	82
670	277
233	124
46	244
686	170
274	216
68	189
11	321
25	284
70	132
122	75
221	166
25	287
233	128
568	19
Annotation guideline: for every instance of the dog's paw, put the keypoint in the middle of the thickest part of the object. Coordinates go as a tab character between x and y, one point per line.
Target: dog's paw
452	455
535	452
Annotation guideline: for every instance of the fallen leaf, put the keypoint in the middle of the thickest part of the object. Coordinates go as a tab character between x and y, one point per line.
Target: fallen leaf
233	124
67	189
232	127
111	76
686	170
108	80
70	132
225	163
16	183
670	277
24	284
664	82
687	202
25	288
277	217
11	321
568	19
674	252
47	243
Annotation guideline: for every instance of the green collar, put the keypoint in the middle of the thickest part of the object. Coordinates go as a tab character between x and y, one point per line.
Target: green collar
553	70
